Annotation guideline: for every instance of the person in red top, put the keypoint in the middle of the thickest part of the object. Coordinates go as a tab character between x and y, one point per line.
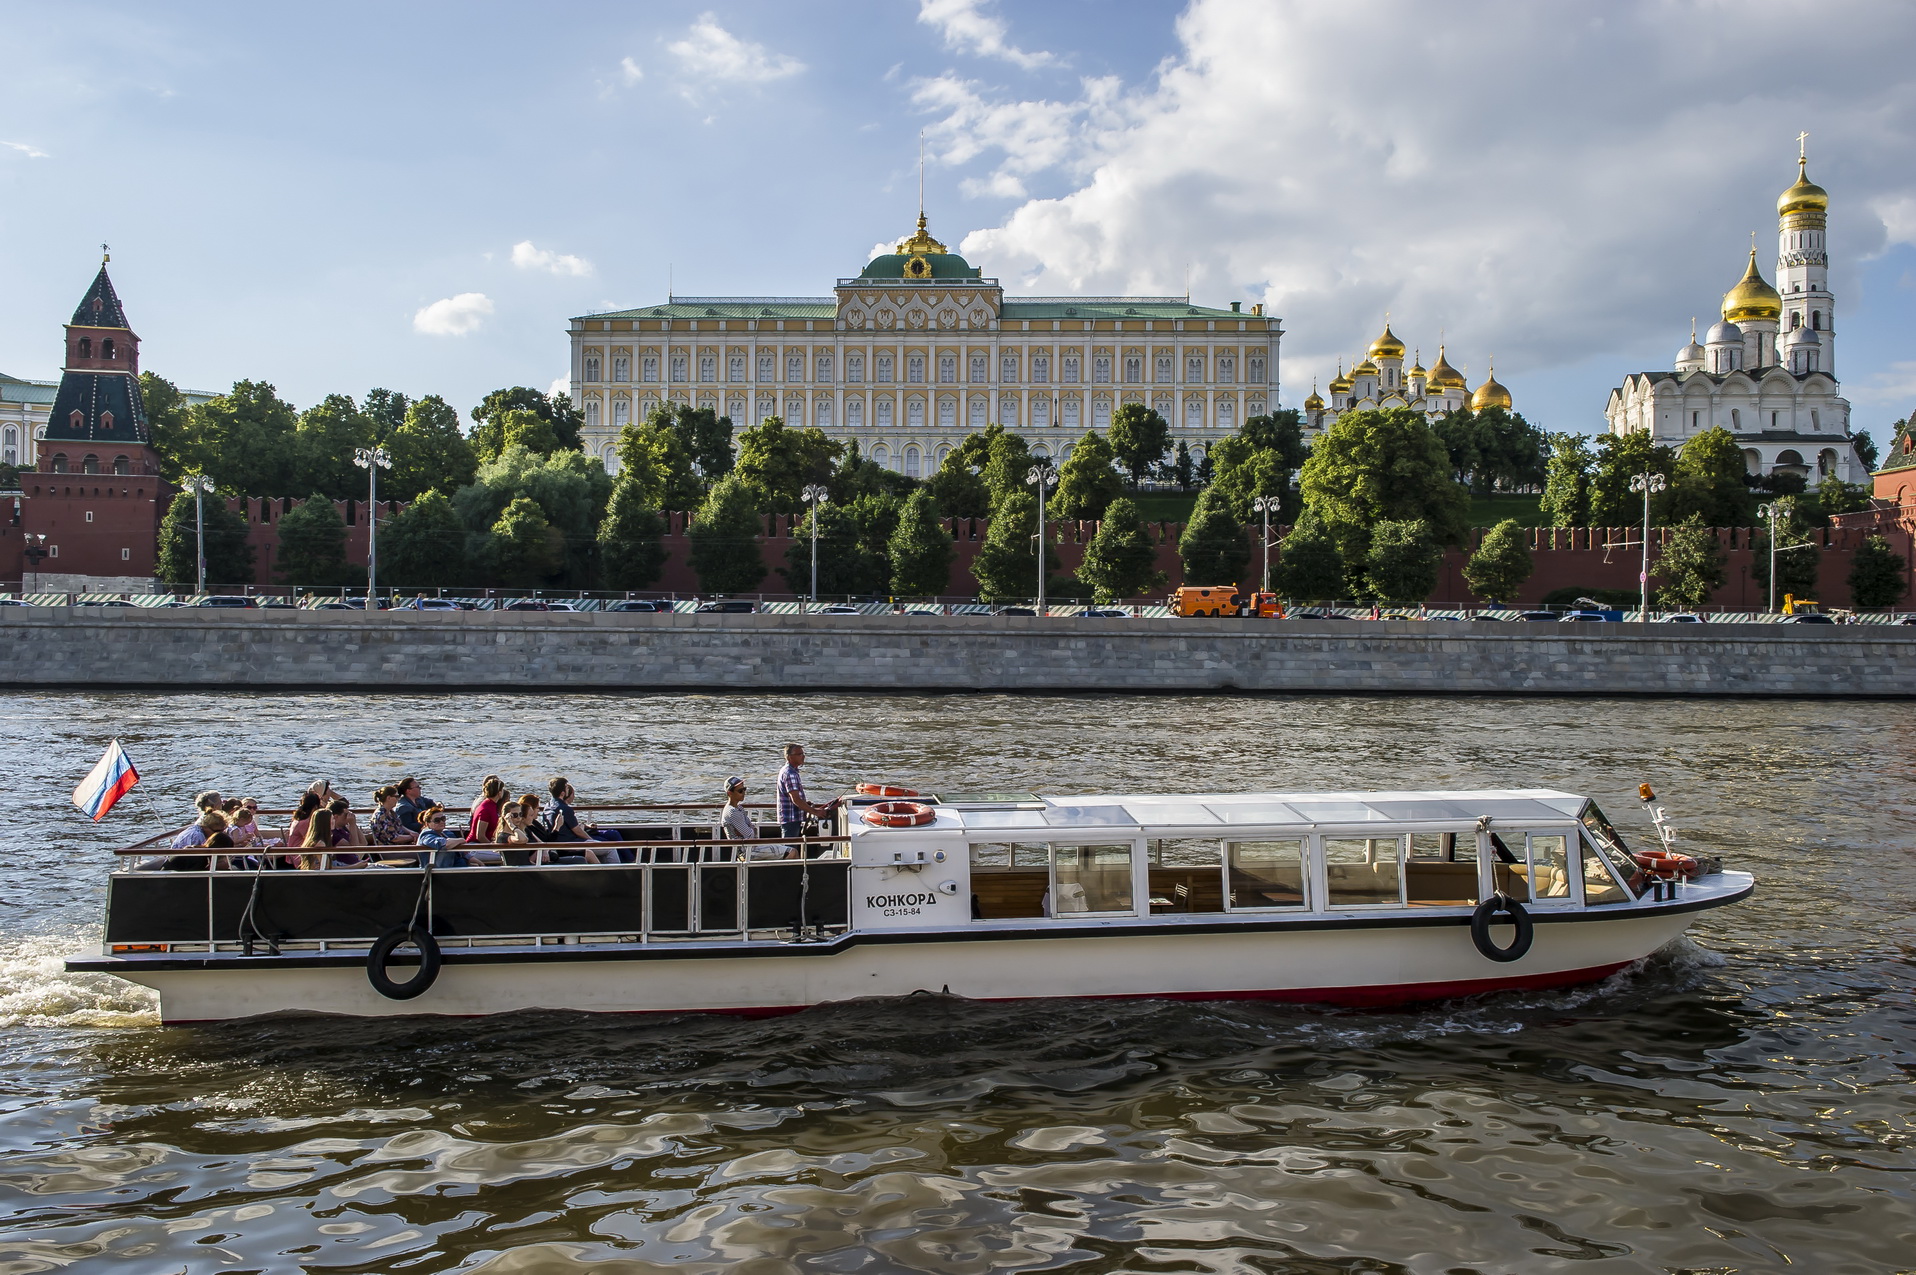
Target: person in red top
485	812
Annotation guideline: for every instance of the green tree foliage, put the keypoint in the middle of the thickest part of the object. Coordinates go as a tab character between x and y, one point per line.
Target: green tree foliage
1403	561
847	564
1088	483
424	545
429	452
653	457
775	464
1709	483
1566	488
704	436
725	537
1001	458
169	422
1493	449
1621	457
958	488
245	440
1183	472
1139	440
1121	562
1382	466
856	478
1501	564
229	559
1866	446
328	434
1214	548
570	488
920	550
1691	566
1310	567
312	544
1260	460
388	410
1006	567
1834	496
1878	575
489	435
1798	555
521	549
631	537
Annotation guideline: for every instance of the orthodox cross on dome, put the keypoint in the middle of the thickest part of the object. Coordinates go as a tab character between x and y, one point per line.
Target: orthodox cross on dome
1802	148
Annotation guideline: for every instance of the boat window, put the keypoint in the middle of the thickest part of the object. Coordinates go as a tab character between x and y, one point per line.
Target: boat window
1005	882
1186	876
1267	874
1599	887
1363	871
1609	842
1441	870
1091	879
1550	867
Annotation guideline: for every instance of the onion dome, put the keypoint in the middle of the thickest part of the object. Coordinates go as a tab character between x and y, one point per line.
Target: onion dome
1803	197
1340	384
1314	403
1490	394
1417	366
1752	298
1387	346
1366	368
1724	332
1443	376
1691	353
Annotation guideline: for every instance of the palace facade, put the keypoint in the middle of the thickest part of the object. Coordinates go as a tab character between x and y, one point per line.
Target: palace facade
1766	372
920	349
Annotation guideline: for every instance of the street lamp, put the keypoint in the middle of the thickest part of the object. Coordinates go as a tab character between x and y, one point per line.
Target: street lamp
1267	505
815	495
1648	484
372	460
1043	475
199	485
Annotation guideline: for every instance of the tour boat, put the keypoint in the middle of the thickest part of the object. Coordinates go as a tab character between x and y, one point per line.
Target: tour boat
1343	898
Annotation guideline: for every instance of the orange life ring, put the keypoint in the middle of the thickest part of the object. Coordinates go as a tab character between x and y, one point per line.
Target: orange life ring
886	790
1666	864
899	814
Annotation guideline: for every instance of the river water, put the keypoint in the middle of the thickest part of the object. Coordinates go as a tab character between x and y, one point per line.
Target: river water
1740	1102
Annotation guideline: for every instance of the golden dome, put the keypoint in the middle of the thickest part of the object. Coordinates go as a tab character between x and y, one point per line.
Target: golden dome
1443	376
1314	403
1804	196
1752	298
1340	384
1387	346
1366	368
1490	394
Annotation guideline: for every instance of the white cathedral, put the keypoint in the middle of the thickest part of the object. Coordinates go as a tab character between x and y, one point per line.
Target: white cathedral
1766	371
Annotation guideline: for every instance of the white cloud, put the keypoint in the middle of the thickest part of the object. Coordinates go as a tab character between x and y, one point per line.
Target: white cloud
1894	388
630	71
1572	208
711	52
453	316
527	257
563	385
969	28
31	152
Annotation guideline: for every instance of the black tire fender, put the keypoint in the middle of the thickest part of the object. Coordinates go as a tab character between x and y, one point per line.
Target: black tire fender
388	986
1485	916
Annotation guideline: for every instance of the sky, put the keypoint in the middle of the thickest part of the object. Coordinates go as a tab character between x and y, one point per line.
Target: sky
419	195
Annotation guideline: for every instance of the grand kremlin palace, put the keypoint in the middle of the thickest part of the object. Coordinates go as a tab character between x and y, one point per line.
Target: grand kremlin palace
917	351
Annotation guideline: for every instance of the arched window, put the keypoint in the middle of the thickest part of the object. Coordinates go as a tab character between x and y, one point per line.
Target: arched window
59	462
90	464
86	347
1816	320
122	466
10	451
822	413
911	462
106	348
938	457
881	455
592	367
621	413
855	413
592	412
881	413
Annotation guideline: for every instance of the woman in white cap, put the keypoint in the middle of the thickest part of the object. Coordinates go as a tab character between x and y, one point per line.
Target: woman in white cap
736	825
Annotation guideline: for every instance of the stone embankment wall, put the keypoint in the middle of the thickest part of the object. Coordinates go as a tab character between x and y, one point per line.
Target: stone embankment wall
332	650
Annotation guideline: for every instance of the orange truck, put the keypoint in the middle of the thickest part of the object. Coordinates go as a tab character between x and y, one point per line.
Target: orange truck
1223	599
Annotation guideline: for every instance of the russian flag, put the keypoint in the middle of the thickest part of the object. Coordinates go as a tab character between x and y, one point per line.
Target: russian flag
107	782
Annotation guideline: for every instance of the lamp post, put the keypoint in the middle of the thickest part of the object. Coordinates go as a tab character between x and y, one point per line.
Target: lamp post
36	552
372	460
815	495
1267	505
1042	475
1648	484
199	485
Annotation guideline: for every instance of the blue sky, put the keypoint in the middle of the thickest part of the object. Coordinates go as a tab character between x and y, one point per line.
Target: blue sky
419	195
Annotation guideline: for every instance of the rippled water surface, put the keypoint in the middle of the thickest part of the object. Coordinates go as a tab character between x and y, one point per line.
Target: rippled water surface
1741	1102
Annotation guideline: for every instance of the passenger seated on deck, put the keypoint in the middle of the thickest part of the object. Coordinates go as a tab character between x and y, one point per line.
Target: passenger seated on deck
303	813
736	825
211	824
485	811
411	805
386	828
192	835
346	833
559	826
446	849
319	837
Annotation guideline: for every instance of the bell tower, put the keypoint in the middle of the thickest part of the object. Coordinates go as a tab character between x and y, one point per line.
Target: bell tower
1808	337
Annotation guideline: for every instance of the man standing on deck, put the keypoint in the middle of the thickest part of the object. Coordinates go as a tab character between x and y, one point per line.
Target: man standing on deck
793	805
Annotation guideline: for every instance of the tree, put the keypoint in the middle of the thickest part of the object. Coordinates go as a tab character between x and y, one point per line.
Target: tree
958	488
1878	575
428	451
1493	449
920	550
522	550
1691	566
388	409
1004	460
312	544
1834	496
655	458
570	488
424	545
244	440
488	434
1382	466
1403	560
1566	488
1621	457
1183	472
704	435
1245	471
775	464
328	434
1309	567
1866	446
725	538
1087	483
1006	567
229	559
1139	440
631	538
1798	556
1121	562
1214	548
847	566
1501	564
1709	482
168	421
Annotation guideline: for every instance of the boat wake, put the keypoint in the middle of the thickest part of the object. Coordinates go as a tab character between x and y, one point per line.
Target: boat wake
37	991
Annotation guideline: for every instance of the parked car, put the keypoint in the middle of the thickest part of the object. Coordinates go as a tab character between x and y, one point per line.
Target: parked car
1541	617
174	602
435	604
337	606
727	606
1808	618
1681	617
277	604
640	605
1103	613
838	608
1016	610
1312	615
1908	619
14	602
526	604
560	606
116	602
1582	617
359	604
228	600
923	611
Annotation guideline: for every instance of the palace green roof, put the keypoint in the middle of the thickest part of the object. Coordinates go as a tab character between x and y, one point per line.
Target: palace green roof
1014	309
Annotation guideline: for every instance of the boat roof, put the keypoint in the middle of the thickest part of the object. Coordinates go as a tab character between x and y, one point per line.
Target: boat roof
1014	812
